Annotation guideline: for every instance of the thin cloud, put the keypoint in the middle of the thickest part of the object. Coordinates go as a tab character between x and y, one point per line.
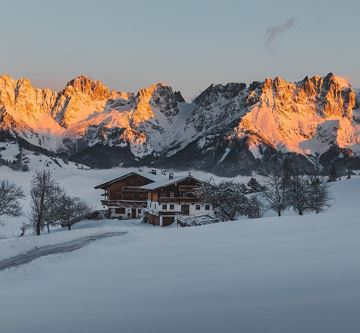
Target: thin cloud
274	31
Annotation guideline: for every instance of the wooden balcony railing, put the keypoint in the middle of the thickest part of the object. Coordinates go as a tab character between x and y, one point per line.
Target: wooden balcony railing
133	189
178	199
121	202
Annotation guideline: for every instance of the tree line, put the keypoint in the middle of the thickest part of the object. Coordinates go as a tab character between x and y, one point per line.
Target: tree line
278	191
50	204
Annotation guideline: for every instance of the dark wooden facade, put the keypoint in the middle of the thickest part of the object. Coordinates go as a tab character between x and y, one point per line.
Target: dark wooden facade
183	190
166	202
124	196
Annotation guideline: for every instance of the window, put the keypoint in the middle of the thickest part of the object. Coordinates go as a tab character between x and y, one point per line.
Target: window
164	206
120	210
207	207
172	207
139	211
197	207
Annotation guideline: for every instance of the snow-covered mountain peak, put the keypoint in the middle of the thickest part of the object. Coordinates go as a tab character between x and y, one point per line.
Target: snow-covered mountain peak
19	98
339	81
214	92
157	91
226	122
301	117
158	97
79	99
84	85
6	81
153	87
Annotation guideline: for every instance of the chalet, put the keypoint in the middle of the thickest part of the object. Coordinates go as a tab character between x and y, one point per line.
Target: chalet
124	196
174	197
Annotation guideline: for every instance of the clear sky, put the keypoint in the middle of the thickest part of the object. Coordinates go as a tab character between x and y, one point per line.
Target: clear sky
187	44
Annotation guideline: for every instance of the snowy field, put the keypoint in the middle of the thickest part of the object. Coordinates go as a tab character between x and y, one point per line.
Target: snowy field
294	274
77	180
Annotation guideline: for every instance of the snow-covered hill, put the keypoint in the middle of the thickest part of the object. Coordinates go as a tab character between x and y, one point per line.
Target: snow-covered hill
227	129
77	179
290	274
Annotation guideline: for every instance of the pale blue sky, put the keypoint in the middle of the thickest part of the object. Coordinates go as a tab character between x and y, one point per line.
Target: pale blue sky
187	44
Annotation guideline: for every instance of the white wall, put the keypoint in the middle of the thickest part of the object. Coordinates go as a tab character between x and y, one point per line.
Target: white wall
128	210
157	207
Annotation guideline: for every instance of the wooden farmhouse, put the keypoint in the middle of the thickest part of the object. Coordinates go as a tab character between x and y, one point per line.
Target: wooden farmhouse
168	199
124	196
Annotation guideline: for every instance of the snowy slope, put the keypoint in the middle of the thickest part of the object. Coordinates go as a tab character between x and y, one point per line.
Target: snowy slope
289	274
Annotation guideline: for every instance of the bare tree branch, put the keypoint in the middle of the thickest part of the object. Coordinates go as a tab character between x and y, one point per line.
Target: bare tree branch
10	196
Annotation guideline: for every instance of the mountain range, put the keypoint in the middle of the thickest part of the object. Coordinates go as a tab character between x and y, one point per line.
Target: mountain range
228	129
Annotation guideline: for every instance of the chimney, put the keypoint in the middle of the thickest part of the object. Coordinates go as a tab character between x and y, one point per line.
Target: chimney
171	175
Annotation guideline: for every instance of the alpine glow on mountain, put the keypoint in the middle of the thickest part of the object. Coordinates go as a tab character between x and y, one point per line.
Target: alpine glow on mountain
242	128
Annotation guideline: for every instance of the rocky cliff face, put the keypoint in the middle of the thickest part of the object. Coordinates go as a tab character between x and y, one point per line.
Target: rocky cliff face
227	129
303	117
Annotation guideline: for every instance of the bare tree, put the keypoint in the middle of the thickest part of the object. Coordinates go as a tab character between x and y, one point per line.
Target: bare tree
276	192
71	210
23	228
45	192
10	196
318	196
227	197
298	196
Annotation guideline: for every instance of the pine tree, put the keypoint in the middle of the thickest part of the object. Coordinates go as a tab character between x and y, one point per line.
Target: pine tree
254	186
255	208
287	172
333	175
348	173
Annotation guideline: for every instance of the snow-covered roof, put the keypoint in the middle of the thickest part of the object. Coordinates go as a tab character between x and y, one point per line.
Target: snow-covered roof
146	175
166	182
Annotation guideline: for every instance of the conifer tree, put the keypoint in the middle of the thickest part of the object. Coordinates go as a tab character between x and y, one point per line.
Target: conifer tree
333	175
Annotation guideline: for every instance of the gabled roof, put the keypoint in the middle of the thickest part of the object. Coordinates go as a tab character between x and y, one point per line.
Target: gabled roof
167	182
148	176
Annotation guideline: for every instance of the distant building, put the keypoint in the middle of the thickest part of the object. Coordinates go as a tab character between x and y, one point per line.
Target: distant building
124	196
173	197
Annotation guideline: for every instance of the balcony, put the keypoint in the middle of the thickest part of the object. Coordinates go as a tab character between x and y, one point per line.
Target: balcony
178	199
119	203
132	189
